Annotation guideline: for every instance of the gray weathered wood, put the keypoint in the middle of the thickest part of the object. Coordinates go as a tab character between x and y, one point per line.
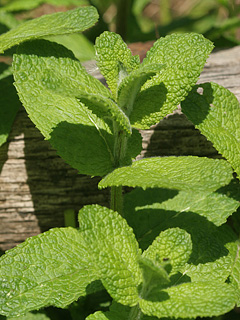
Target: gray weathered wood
36	186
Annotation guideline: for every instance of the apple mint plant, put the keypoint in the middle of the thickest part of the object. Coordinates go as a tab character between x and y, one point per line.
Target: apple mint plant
163	250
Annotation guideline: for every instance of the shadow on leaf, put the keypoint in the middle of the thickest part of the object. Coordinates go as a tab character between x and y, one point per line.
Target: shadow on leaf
208	240
84	147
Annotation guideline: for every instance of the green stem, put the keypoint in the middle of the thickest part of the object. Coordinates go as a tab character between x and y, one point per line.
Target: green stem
116	199
69	218
135	313
120	147
123	7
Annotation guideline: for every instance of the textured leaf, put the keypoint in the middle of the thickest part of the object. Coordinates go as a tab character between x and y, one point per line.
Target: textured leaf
182	173
215	207
173	245
80	137
72	21
114	59
216	113
115	250
210	250
234	248
55	267
131	85
190	300
89	91
184	56
9	104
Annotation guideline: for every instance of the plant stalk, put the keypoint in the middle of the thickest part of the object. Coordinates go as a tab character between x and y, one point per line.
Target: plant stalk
123	8
116	199
135	313
120	148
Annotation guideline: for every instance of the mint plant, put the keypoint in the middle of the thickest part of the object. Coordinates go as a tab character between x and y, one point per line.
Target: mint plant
163	250
73	21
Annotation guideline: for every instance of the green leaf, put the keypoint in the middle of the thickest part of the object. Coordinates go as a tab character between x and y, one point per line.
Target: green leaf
184	56
131	85
78	43
217	117
19	5
181	173
81	138
210	244
190	300
215	207
114	59
115	251
89	91
55	267
72	21
117	312
9	103
8	20
155	273
234	248
99	315
173	245
31	316
67	2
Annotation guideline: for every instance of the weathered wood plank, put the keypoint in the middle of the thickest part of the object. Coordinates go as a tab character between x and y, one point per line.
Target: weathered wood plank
36	186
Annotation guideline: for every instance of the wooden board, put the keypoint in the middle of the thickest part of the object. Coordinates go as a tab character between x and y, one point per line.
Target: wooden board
36	186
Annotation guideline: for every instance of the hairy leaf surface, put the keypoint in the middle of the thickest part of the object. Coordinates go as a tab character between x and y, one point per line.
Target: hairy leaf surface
80	137
217	117
184	56
114	59
55	267
72	21
115	251
181	173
